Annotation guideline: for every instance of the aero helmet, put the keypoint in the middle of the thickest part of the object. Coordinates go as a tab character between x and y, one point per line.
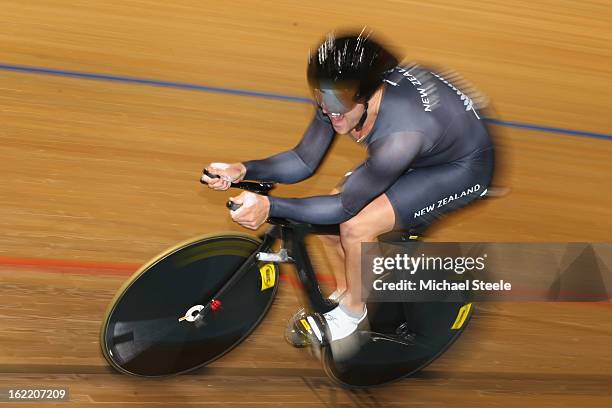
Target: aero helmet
347	70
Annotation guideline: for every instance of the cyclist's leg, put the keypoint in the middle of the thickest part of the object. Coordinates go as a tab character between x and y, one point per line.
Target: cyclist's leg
335	256
375	219
361	228
334	253
416	199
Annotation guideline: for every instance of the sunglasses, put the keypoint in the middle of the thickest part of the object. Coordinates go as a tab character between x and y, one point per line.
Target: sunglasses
335	102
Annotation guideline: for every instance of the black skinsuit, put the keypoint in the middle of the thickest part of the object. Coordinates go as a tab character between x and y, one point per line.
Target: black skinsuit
428	152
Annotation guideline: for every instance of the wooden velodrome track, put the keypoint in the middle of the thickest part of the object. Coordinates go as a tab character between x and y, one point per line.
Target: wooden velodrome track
98	175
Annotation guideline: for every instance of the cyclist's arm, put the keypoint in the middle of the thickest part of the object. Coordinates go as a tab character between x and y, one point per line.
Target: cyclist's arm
389	158
298	163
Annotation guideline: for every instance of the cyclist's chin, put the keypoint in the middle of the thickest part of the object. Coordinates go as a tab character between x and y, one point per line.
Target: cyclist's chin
341	128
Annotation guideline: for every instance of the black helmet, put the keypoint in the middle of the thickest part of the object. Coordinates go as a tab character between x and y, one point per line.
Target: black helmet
347	70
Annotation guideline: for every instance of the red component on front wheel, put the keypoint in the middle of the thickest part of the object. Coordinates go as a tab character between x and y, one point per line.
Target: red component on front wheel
215	305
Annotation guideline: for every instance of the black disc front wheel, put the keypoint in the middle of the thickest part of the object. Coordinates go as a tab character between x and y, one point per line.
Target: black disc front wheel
166	320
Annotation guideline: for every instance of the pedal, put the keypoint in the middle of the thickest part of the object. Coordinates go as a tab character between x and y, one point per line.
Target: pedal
304	330
297	331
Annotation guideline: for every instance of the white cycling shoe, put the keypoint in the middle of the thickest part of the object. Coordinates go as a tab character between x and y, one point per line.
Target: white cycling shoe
339	324
298	331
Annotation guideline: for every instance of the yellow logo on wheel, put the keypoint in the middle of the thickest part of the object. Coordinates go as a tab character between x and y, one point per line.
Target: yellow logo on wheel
463	314
268	276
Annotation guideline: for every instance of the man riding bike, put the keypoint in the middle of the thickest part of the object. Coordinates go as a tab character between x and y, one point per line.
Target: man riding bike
428	153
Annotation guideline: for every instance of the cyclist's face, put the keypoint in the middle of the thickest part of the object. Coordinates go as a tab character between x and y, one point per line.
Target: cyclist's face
339	105
345	122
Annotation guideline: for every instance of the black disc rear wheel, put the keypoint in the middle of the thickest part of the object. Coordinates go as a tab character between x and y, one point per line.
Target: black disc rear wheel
418	334
153	326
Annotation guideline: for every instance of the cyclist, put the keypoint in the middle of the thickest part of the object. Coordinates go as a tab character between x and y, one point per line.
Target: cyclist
428	153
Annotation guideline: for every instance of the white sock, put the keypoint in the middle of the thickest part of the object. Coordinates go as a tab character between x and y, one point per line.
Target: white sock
350	313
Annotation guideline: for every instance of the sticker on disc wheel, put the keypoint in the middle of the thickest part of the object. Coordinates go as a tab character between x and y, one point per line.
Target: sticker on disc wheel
464	312
268	276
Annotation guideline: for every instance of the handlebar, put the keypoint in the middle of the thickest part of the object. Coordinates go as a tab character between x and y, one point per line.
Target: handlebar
257	187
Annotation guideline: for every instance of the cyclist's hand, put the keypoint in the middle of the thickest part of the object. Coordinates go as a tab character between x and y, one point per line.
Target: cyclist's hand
253	212
228	174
